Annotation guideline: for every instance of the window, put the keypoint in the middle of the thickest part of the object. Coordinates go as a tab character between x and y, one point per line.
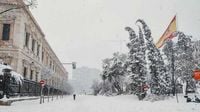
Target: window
27	39
25	72
42	56
50	64
38	50
6	32
31	76
33	45
36	77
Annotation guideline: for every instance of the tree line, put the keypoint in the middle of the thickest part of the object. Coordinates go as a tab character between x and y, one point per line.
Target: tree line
145	69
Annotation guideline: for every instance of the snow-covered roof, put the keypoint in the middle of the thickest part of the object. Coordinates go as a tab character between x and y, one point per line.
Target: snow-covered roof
4	67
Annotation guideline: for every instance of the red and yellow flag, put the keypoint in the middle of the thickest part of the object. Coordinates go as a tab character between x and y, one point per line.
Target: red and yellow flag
168	34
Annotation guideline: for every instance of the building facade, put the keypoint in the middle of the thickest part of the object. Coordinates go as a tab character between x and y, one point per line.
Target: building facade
24	47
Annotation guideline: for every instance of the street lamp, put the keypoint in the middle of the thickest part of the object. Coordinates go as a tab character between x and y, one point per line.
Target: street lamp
72	63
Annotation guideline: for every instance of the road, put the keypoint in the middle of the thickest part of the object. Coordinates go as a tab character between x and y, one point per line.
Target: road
102	104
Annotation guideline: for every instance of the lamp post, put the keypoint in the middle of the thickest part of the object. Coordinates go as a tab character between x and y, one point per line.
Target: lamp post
72	63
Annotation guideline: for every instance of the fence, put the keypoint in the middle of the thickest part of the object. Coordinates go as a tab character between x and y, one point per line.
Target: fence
30	88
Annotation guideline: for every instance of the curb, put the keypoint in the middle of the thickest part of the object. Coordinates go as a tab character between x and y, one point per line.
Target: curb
9	101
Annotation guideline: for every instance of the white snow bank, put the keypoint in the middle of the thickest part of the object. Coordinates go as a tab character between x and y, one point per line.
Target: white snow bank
102	104
4	67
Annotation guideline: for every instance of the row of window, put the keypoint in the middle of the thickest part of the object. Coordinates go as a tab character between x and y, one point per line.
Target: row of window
6	37
25	74
34	44
45	58
35	47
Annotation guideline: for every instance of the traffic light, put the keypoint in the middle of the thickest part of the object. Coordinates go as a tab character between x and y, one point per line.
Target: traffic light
74	65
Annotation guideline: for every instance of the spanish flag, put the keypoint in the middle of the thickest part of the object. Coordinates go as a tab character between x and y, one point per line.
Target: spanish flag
168	34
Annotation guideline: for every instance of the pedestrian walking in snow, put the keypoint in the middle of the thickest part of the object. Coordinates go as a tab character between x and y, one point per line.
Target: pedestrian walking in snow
74	96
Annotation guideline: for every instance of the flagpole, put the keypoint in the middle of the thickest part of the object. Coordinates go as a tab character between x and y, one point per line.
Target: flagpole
172	64
176	21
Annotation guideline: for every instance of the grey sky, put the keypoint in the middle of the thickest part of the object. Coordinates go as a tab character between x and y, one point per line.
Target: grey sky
87	31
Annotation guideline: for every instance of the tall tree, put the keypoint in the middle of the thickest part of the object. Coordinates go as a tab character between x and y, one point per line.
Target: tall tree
184	62
168	51
160	80
136	62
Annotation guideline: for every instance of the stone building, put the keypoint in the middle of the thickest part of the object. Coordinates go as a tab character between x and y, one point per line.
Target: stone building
24	47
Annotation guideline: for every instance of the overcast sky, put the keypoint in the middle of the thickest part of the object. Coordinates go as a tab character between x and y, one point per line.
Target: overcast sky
87	31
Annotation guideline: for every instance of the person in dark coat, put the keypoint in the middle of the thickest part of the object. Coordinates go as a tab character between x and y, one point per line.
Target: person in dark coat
74	96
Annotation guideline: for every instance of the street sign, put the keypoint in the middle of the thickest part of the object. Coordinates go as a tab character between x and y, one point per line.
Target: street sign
196	74
42	82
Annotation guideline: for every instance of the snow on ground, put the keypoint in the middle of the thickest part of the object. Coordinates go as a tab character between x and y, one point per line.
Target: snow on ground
102	104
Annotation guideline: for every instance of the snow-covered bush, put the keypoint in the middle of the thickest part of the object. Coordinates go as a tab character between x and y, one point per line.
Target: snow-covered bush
17	77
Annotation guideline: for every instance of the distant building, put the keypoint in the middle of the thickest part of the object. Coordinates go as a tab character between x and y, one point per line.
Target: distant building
24	47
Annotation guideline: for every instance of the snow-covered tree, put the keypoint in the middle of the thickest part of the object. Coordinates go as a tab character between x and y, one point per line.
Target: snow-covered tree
96	87
113	73
168	51
104	76
160	80
183	59
136	63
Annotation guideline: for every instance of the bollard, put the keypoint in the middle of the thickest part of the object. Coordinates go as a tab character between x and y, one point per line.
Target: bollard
41	94
48	93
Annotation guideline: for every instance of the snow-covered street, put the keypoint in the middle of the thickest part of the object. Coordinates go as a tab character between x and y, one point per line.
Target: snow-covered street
102	104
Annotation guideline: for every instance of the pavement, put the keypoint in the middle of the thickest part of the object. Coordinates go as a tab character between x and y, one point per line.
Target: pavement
7	102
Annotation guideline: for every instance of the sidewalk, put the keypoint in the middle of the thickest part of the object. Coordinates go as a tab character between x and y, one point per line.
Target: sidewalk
7	102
